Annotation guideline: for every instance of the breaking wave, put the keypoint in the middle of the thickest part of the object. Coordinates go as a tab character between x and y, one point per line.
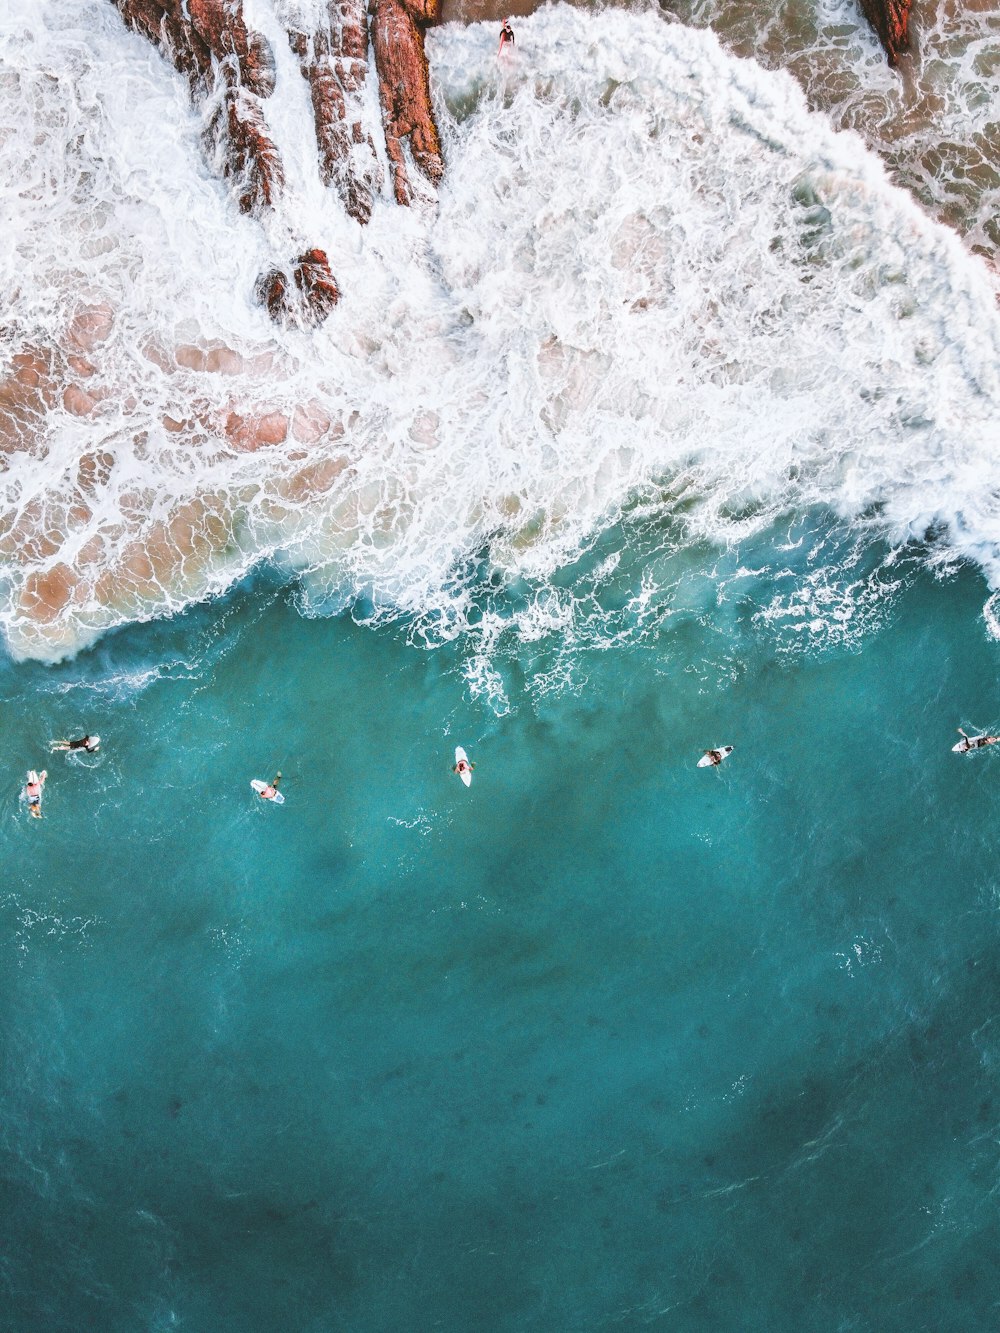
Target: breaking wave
655	293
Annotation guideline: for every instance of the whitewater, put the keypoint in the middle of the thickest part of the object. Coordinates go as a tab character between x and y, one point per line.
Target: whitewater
652	280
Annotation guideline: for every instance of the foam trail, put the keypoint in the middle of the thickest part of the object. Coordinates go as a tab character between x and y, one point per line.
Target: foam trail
649	266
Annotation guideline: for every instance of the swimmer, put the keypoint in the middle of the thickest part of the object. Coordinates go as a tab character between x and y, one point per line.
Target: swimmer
33	792
968	743
713	758
89	743
506	35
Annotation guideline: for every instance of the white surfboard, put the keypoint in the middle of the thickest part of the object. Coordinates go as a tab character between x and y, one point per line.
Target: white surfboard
970	743
706	759
35	807
460	757
259	786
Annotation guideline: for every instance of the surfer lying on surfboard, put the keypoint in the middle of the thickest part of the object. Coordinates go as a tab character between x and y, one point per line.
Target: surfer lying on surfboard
33	792
268	791
713	758
506	35
462	766
89	743
968	743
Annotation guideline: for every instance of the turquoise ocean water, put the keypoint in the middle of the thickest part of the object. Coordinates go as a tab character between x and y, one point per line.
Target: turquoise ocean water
606	1041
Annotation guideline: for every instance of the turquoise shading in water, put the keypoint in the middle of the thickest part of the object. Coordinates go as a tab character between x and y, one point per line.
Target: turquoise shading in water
604	1041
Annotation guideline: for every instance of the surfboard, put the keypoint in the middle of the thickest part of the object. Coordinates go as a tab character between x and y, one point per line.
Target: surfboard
259	786
968	744
706	760
35	807
465	775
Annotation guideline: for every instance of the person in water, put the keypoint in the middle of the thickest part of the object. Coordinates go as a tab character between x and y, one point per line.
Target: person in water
33	792
506	35
89	743
270	792
968	743
715	757
463	766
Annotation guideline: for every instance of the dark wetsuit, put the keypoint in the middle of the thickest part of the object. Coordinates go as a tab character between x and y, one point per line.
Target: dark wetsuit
506	34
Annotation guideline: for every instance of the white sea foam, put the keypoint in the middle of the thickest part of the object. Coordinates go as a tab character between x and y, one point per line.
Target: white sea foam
933	120
650	272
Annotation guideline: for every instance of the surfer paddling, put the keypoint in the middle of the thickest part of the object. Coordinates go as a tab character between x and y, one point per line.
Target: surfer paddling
506	37
713	758
33	792
968	743
89	743
268	791
462	766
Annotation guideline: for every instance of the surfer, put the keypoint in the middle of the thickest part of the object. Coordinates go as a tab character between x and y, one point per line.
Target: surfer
968	743
713	758
33	791
270	792
506	35
89	743
463	768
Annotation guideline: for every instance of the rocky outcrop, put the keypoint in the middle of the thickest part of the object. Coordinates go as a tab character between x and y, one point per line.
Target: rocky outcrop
231	72
232	68
334	61
891	21
306	295
209	42
404	89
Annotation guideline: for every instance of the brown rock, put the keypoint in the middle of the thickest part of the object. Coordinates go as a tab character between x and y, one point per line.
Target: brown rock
334	62
221	26
245	152
307	295
316	284
209	42
272	291
891	21
404	89
233	68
